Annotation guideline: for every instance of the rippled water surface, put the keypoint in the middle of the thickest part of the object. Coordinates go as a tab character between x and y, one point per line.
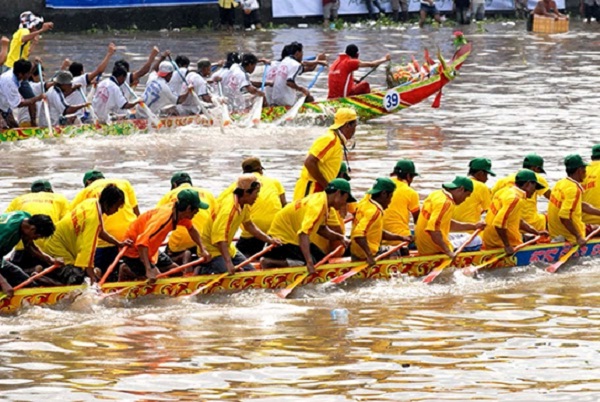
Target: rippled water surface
515	335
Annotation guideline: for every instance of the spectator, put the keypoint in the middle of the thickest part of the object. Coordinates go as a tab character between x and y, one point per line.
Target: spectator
589	9
370	4
478	9
227	13
330	12
398	5
461	9
428	8
251	14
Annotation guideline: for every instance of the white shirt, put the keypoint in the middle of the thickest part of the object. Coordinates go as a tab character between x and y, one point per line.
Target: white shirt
200	87
156	96
22	113
234	83
57	105
108	99
288	70
176	81
249	4
9	91
75	97
271	74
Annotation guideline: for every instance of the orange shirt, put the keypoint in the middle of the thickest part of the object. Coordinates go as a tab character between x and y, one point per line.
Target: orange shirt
151	229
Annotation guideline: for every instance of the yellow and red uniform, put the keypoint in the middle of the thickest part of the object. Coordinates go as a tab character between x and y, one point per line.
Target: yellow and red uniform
367	223
591	191
303	216
405	202
565	202
436	215
529	213
228	218
504	213
470	210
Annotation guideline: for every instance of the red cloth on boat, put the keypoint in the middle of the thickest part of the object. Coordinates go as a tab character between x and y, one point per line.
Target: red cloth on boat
341	79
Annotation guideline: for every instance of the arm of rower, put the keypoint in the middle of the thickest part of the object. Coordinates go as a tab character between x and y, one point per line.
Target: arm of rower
589	209
568	223
297	87
395	237
145	259
136	210
6	288
282	200
305	248
456	226
73	108
39	254
31	101
331	235
415	216
224	250
103	64
107	237
547	194
364	245
206	98
31	36
256	232
374	63
130	105
438	239
195	236
503	234
312	165
145	69
526	227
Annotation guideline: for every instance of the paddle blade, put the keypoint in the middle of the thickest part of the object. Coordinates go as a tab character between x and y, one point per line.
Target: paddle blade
554	267
352	272
437	271
283	293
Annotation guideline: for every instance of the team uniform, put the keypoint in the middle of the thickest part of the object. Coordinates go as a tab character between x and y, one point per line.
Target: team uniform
367	223
234	83
77	97
57	106
591	194
505	212
329	150
10	97
287	71
334	219
341	78
189	105
565	202
108	99
405	202
271	74
18	50
157	95
176	84
10	236
529	212
476	204
22	113
436	215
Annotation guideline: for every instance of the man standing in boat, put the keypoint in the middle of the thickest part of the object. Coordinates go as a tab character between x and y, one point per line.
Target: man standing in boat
295	224
591	186
325	156
566	205
505	219
341	74
367	227
435	222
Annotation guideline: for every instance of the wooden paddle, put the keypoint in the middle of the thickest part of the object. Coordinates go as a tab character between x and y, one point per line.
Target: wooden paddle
89	108
356	270
470	271
256	111
283	293
367	74
554	267
223	275
45	102
434	274
192	91
293	111
225	118
112	266
33	278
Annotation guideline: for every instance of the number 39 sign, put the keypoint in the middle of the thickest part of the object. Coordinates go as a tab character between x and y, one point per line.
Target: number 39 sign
391	100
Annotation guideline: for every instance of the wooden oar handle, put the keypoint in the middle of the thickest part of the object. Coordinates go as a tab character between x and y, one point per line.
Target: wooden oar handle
255	256
34	277
527	243
329	256
391	251
593	234
112	266
466	243
180	268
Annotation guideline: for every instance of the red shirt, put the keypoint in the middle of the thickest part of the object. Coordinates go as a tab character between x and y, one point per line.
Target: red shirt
341	79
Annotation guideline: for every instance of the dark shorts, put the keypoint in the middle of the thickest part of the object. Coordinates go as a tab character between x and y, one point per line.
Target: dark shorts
174	254
13	274
227	16
429	10
249	245
138	268
217	265
26	261
68	275
293	252
252	18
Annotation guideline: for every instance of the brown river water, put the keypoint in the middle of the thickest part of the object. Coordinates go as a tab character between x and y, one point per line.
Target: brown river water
516	335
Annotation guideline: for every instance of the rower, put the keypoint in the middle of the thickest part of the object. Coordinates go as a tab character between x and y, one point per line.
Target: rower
150	230
42	200
367	226
4	43
296	223
233	210
505	220
591	186
404	203
116	224
435	221
77	235
109	99
35	82
133	79
284	84
326	154
341	74
237	82
22	227
530	212
182	248
158	95
176	83
198	81
61	112
10	96
566	205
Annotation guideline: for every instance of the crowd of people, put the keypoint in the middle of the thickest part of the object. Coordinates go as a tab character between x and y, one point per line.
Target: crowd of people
84	237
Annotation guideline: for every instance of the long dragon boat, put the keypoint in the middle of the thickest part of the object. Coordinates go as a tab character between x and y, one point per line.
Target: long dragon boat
280	278
369	106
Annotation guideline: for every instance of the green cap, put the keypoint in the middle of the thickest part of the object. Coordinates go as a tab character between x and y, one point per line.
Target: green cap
92	175
41	185
382	184
482	164
343	186
534	160
190	197
343	173
574	161
405	166
459	181
596	151
526	175
180	178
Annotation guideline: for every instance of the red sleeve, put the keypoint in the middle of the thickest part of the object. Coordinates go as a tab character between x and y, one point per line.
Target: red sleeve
353	64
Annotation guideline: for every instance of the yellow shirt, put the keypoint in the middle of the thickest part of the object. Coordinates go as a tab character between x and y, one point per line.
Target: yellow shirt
529	213
329	150
591	193
367	223
565	202
471	209
227	4
18	50
54	205
118	223
229	216
436	215
405	202
303	216
504	213
76	235
334	219
180	239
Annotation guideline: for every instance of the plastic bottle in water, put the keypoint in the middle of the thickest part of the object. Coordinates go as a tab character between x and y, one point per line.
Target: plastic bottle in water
339	314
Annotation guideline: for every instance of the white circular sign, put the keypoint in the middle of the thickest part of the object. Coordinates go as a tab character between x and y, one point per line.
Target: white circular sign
391	100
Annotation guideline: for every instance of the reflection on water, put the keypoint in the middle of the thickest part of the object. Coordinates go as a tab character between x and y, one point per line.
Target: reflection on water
518	335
